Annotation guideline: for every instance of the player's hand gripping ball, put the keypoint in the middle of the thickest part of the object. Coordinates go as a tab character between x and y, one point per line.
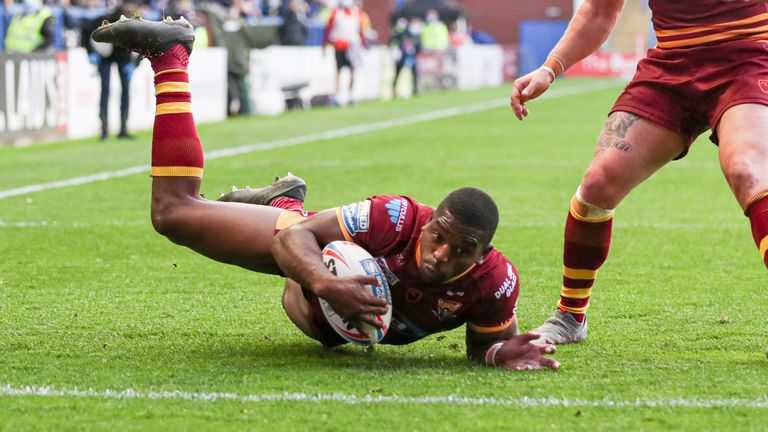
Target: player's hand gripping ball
346	259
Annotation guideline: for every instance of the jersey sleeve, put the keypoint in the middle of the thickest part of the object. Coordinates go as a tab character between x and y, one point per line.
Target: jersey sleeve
496	309
378	224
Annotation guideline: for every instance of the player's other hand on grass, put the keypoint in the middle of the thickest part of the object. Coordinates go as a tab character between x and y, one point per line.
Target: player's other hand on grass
529	87
518	353
349	299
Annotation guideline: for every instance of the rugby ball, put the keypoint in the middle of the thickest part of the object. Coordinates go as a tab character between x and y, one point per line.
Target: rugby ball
346	259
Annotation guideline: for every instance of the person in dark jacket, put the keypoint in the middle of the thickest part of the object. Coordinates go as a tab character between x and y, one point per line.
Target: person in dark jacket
103	56
293	32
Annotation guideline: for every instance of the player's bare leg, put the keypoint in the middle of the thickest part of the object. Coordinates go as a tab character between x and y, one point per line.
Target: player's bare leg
228	232
298	309
743	134
630	149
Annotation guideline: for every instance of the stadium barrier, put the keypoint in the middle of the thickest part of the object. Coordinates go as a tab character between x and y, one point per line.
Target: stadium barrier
45	97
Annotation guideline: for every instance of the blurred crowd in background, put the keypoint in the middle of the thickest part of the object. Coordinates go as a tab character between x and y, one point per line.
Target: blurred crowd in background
45	26
62	24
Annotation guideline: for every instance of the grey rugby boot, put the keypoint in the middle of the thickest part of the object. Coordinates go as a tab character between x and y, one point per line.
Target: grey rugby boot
288	186
561	328
148	38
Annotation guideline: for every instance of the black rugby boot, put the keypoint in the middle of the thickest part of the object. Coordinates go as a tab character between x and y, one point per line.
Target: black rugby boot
148	38
288	186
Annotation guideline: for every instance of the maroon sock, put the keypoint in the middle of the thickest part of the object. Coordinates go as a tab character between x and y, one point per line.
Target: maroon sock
176	147
585	250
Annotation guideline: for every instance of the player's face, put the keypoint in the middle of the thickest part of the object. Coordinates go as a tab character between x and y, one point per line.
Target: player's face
448	248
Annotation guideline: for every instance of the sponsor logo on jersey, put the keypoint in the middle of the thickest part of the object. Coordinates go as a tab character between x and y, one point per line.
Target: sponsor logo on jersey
456	293
391	278
356	217
509	283
396	209
446	309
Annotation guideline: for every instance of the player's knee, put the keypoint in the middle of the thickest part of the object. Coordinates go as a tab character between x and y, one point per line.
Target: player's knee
744	174
600	188
168	214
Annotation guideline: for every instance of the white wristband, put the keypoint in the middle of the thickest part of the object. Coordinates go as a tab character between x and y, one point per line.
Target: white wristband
550	70
490	355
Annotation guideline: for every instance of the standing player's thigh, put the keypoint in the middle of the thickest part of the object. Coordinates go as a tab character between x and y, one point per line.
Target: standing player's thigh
629	150
743	136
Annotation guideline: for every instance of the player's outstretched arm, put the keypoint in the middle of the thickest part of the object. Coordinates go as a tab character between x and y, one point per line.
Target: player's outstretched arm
588	29
508	349
297	250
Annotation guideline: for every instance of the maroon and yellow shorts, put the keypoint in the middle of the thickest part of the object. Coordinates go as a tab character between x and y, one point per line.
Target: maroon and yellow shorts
687	90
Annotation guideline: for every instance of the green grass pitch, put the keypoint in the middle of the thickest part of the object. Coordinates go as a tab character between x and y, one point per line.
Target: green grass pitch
104	324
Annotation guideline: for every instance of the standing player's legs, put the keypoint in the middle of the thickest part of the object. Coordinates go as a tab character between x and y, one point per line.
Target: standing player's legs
743	134
630	149
232	233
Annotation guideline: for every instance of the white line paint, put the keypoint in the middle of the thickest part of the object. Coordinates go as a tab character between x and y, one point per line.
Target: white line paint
8	390
322	136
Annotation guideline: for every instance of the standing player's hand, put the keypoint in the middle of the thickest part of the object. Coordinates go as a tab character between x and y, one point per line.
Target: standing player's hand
518	353
529	87
348	297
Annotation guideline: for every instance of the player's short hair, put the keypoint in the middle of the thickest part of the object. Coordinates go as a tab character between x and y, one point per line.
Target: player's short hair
473	208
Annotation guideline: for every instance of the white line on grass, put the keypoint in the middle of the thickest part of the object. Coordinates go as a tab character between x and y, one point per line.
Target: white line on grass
322	136
8	390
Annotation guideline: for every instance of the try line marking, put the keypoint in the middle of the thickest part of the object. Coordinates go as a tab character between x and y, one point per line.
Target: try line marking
8	390
321	136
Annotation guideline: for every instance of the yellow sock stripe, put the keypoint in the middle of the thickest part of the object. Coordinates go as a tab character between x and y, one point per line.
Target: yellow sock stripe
575	310
576	293
580	274
172	87
587	218
173	108
177	171
171	71
764	246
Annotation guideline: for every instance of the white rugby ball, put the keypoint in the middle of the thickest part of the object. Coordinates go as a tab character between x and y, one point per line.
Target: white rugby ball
346	259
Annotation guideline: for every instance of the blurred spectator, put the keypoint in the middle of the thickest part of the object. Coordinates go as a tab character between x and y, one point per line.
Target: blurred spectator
32	30
293	31
103	56
345	32
406	41
434	36
459	34
224	25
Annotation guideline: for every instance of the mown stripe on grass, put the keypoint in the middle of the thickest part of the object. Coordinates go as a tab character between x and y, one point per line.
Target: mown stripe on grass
44	391
304	139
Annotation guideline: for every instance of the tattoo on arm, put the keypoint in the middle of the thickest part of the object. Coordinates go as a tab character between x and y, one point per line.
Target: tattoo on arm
615	131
